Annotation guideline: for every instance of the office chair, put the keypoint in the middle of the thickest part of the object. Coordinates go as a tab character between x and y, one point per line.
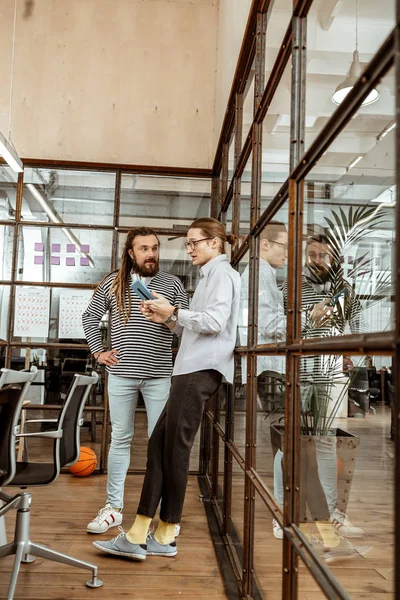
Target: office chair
21	378
66	447
358	392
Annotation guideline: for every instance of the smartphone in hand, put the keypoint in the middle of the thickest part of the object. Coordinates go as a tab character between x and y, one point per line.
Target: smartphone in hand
335	299
142	291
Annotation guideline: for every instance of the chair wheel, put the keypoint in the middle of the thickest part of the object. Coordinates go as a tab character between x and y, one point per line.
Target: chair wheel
94	584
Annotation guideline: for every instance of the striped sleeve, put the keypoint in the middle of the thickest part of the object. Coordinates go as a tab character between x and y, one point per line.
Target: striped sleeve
98	306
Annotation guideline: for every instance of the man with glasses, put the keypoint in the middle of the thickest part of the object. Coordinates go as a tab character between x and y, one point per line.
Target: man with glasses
271	329
140	359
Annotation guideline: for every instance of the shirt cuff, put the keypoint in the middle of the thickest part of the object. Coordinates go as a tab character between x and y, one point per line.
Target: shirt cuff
184	316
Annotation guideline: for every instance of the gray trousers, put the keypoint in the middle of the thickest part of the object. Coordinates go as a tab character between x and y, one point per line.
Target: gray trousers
169	447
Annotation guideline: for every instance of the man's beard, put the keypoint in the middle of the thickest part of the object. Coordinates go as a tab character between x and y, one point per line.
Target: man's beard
318	274
149	269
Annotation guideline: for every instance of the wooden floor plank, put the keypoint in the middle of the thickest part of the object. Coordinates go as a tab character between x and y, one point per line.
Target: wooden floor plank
59	515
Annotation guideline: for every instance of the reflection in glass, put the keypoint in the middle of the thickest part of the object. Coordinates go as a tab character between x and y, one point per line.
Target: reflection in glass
245	200
332	38
154	201
58	195
6	249
64	255
231	159
276	141
4	308
347	469
8	193
248	105
347	278
267	554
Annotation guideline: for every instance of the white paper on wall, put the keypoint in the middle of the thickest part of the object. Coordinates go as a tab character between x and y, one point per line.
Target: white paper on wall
72	305
32	311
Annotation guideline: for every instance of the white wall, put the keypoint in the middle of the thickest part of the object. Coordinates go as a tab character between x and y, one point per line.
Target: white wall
124	81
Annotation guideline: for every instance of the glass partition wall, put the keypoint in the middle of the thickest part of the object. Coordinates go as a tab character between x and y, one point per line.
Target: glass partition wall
62	229
301	457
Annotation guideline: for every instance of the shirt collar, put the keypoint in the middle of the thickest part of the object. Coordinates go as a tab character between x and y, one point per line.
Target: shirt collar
266	265
207	268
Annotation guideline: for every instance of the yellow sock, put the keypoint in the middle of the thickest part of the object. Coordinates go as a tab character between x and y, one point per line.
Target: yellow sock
138	532
328	534
165	533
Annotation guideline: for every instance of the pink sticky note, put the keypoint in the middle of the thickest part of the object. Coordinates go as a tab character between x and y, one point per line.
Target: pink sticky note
70	247
70	262
56	247
84	261
85	248
38	260
55	260
39	247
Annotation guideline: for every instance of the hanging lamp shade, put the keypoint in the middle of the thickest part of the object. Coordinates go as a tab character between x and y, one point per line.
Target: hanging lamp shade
344	88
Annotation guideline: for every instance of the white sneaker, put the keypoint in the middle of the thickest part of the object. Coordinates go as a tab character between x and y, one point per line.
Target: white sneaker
177	530
344	551
343	526
277	529
106	517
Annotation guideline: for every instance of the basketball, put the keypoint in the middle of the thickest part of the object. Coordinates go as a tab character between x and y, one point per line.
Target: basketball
86	463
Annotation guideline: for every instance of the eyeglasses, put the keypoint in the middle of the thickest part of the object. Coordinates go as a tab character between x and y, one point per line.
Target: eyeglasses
286	246
192	243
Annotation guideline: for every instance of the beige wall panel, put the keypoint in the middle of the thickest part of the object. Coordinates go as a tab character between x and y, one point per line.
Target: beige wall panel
128	81
232	20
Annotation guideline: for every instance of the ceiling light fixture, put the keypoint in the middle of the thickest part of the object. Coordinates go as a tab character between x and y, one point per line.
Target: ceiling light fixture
354	74
7	149
353	163
9	154
387	197
385	131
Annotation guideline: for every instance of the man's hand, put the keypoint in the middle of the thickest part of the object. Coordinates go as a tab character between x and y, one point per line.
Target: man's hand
156	310
321	313
108	358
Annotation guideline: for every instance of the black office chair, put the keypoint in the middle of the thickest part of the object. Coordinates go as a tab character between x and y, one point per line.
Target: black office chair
358	392
22	379
66	449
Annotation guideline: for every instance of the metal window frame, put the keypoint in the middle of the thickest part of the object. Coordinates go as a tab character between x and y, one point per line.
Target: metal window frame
293	48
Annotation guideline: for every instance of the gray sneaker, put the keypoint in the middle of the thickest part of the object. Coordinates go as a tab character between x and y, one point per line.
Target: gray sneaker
120	546
156	549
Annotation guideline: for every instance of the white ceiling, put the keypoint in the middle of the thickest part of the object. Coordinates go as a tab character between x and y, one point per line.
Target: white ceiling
331	33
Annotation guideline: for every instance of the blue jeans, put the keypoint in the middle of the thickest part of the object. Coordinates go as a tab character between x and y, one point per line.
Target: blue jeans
123	393
325	449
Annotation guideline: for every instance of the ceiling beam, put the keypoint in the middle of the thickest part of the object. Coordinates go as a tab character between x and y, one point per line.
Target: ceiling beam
329	13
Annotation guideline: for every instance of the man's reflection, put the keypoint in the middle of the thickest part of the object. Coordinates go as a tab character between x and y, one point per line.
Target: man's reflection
271	328
329	307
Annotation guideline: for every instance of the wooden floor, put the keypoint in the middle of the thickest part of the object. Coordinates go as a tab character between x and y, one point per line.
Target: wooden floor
60	513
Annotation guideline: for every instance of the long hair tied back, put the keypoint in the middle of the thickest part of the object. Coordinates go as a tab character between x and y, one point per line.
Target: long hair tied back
213	228
121	282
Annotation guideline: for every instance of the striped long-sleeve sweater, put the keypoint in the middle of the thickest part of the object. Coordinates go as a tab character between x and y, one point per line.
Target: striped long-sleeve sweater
144	348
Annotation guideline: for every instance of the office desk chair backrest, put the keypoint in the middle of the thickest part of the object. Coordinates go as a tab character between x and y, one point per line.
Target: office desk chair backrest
9	377
70	419
10	409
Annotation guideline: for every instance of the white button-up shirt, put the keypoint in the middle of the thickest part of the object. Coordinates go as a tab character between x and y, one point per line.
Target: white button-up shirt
271	318
210	325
